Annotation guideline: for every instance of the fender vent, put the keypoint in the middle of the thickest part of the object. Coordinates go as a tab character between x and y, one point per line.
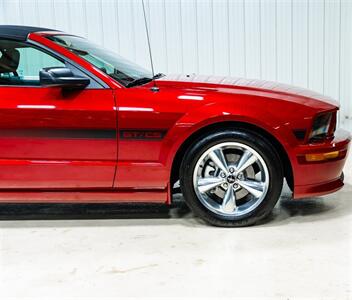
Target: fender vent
300	134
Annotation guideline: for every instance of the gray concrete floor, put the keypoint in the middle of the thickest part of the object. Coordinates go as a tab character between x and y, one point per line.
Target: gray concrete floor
303	250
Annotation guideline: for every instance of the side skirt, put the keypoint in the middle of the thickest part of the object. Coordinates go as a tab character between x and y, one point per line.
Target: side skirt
84	196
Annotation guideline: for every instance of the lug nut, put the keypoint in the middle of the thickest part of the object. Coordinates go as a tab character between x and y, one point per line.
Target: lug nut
232	170
222	174
225	185
240	176
235	186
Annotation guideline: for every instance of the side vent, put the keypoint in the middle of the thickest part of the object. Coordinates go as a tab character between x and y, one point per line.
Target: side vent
300	134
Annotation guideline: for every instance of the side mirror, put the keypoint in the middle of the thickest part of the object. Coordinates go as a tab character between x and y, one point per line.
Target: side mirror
62	77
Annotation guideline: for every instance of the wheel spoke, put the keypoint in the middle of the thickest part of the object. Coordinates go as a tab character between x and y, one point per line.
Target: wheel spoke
217	156
245	161
229	202
208	183
234	193
256	188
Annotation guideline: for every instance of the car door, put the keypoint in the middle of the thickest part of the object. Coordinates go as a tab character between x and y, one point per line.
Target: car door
49	137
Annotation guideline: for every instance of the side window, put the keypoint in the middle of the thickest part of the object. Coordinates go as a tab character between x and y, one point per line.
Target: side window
20	63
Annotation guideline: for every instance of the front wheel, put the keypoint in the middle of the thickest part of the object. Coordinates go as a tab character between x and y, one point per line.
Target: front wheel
231	178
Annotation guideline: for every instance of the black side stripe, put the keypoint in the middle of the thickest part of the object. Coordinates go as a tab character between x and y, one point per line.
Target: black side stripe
60	133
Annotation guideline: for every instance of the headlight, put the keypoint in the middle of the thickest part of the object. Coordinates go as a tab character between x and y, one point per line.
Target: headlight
324	126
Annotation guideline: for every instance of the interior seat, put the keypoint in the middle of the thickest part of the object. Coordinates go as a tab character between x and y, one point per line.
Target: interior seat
9	61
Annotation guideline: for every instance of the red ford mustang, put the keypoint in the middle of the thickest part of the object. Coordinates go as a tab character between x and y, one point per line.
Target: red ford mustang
81	124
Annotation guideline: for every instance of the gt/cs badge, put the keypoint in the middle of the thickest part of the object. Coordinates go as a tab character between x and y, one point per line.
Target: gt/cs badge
141	134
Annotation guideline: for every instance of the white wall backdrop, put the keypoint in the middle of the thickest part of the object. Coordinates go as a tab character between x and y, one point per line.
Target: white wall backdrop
302	42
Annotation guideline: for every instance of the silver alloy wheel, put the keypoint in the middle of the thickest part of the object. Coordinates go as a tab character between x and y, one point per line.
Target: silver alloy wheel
231	179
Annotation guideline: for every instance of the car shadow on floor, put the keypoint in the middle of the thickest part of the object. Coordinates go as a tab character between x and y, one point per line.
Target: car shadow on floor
332	206
81	211
286	211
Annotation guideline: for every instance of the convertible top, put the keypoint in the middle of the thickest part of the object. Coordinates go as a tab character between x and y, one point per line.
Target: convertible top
20	33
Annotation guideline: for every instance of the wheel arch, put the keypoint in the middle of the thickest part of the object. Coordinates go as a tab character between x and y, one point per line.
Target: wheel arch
285	161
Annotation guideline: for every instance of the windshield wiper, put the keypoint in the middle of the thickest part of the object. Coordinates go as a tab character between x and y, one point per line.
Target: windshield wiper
144	80
159	75
139	81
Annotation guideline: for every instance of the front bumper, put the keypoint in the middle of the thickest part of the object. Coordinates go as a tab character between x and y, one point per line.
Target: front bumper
320	177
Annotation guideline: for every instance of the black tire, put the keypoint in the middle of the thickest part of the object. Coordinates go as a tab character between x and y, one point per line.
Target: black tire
250	138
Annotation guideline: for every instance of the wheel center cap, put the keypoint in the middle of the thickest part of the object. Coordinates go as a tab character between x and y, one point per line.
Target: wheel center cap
231	179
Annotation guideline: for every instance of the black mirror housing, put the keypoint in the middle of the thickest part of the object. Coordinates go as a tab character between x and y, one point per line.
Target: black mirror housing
62	77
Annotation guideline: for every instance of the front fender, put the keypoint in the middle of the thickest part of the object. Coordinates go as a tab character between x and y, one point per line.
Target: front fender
213	113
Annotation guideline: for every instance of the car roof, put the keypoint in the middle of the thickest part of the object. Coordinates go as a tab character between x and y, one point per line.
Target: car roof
17	32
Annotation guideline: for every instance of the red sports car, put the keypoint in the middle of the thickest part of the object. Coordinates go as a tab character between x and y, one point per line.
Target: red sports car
79	123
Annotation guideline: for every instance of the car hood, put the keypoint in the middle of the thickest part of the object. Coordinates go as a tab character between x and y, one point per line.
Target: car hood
223	83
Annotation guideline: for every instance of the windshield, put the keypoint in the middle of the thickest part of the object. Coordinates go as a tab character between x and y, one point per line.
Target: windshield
117	67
